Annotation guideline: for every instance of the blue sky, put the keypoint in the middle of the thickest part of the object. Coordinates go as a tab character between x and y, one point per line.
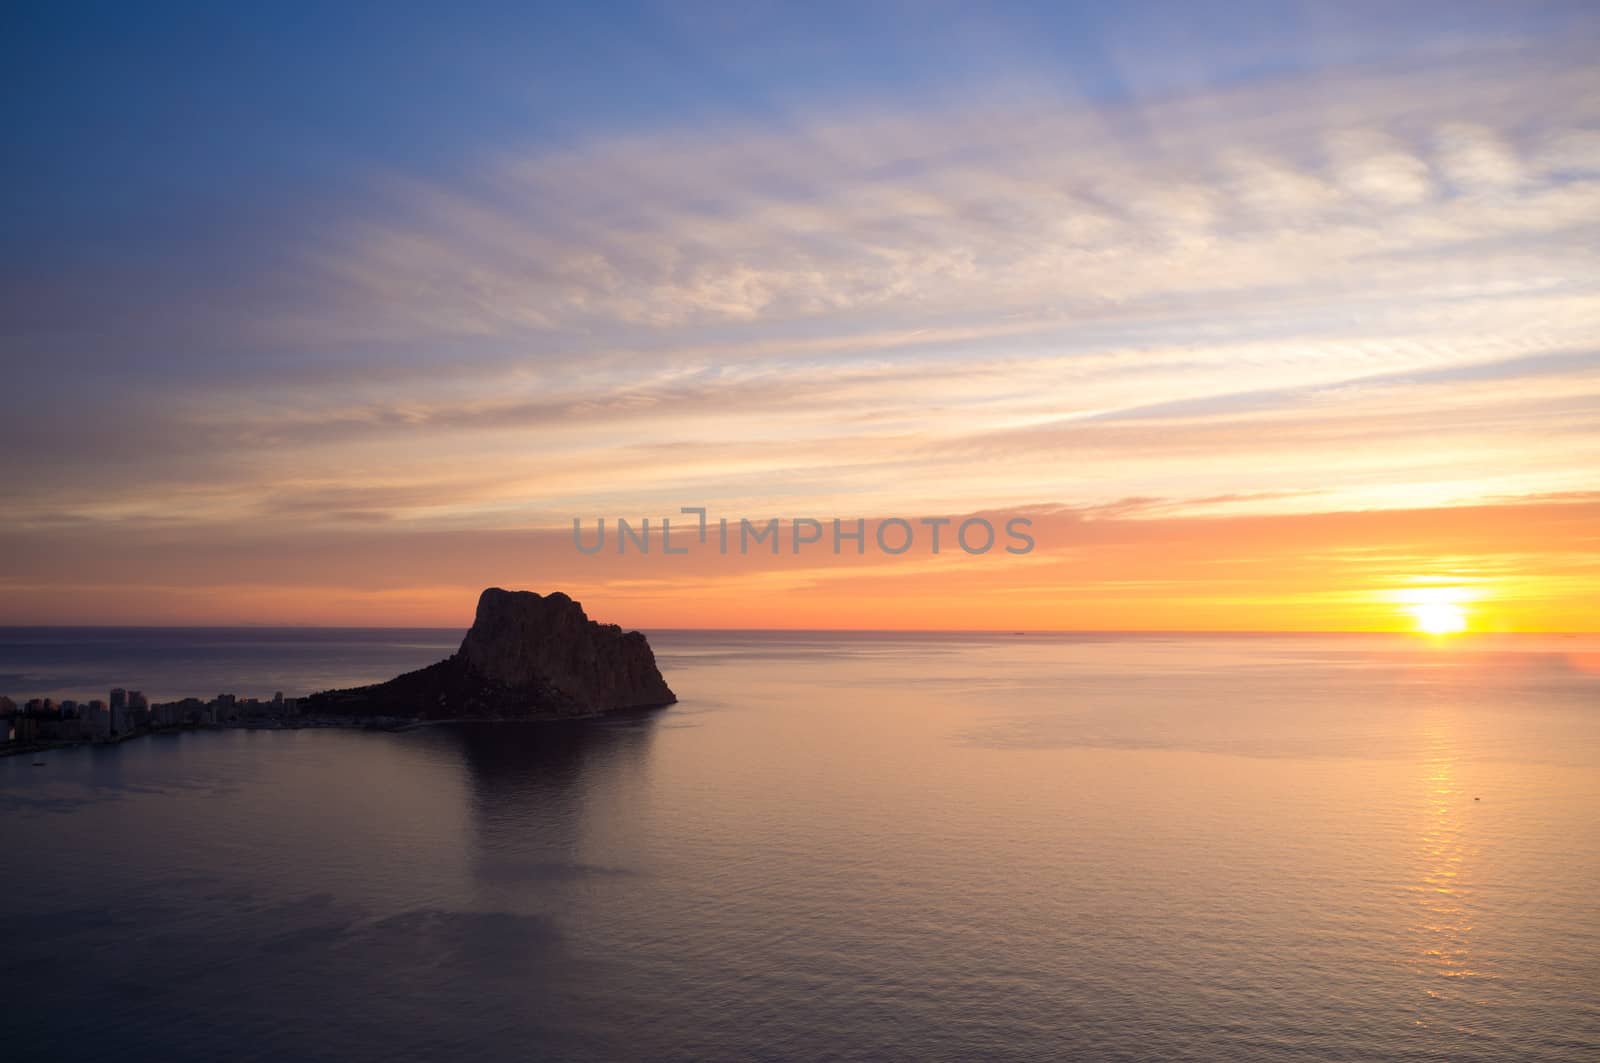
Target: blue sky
153	120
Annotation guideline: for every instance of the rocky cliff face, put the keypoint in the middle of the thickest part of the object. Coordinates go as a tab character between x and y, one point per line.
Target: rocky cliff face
527	656
520	637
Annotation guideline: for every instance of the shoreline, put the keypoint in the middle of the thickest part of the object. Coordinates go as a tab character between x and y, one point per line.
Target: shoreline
13	749
389	724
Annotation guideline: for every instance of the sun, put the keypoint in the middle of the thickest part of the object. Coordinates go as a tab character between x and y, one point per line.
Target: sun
1436	610
1439	618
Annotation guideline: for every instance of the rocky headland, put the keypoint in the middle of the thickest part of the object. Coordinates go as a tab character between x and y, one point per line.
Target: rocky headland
527	657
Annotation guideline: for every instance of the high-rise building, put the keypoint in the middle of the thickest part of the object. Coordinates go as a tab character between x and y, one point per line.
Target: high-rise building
97	719
119	699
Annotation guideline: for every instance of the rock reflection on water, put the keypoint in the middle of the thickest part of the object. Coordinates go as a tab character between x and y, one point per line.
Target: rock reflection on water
544	798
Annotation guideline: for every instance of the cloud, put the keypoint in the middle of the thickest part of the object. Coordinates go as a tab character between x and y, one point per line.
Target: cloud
1378	167
1036	210
1362	287
1475	158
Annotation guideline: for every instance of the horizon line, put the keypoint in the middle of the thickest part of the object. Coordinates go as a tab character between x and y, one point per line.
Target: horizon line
810	630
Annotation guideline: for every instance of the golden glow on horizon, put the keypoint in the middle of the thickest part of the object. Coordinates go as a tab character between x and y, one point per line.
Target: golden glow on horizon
1514	568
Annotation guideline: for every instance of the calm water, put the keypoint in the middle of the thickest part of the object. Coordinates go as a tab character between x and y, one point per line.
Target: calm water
994	848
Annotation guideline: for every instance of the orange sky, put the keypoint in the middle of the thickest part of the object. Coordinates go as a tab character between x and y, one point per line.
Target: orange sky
1529	566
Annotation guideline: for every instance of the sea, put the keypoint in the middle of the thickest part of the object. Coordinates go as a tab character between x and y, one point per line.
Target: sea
836	846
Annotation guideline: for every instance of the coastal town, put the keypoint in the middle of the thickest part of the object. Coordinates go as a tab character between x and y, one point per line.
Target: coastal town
44	723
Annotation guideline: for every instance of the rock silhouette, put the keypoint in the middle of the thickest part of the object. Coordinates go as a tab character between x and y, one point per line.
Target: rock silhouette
527	656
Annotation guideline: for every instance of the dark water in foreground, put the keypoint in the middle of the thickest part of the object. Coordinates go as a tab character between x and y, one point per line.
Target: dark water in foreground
996	848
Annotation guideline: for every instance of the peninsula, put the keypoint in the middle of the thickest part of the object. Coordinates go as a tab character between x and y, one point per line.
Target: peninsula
527	657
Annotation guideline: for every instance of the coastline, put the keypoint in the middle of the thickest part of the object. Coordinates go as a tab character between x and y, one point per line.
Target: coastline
391	724
11	749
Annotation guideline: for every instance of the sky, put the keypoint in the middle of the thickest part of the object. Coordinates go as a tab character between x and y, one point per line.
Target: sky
1266	316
